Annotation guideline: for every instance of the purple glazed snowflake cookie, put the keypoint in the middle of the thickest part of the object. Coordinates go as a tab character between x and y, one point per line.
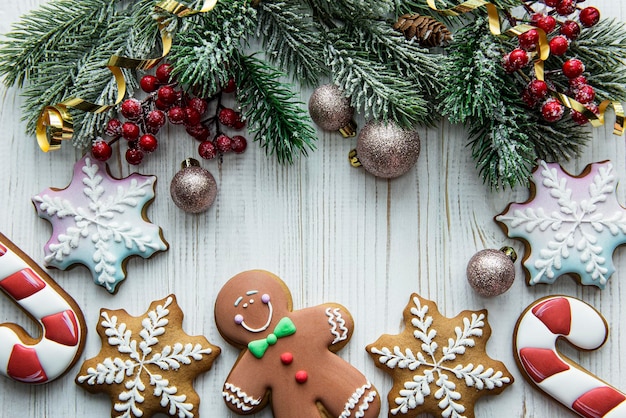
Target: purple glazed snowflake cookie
99	221
570	224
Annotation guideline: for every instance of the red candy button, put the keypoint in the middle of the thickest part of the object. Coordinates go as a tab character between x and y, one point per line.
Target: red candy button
286	358
301	376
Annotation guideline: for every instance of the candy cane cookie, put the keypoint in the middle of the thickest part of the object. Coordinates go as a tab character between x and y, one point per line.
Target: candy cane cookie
536	333
22	357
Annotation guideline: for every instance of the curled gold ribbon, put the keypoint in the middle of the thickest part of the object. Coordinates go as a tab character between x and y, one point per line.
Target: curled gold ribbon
542	55
55	122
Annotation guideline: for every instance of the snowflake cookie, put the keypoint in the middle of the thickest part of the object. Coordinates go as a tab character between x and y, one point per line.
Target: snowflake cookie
570	224
99	221
439	365
147	364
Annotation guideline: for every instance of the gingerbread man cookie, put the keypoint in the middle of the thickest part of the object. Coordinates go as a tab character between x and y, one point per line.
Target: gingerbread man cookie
99	221
288	357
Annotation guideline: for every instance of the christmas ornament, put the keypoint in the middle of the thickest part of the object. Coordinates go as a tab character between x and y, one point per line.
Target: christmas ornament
386	149
427	31
491	272
193	188
331	111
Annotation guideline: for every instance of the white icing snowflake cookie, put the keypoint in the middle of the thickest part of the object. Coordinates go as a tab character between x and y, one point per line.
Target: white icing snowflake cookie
439	365
570	224
99	221
147	364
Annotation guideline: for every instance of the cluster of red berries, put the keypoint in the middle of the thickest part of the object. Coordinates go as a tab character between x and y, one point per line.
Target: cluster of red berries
536	93
165	102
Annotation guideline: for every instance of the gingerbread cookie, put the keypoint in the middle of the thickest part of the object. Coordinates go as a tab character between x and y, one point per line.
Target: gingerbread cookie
439	365
147	364
288	357
22	357
570	224
99	221
537	331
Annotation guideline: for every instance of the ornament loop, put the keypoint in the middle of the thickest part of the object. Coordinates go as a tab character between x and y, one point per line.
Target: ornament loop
509	252
354	160
348	131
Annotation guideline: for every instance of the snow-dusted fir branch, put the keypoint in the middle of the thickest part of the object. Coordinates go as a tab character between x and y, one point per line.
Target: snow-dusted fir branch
292	39
281	125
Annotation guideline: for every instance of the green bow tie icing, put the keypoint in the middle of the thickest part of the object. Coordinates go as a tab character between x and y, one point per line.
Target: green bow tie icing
284	328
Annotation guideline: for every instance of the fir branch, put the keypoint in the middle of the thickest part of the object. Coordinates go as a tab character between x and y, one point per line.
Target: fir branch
472	76
350	9
200	54
282	127
292	39
55	31
558	141
421	7
411	62
375	88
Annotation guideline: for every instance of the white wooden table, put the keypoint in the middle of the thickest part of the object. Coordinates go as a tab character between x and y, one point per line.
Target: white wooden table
332	232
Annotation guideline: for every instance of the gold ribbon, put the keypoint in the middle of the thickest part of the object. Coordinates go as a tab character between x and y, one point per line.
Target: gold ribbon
542	55
55	122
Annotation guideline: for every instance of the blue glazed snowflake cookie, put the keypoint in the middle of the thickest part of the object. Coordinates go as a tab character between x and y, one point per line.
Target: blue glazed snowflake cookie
570	224
99	221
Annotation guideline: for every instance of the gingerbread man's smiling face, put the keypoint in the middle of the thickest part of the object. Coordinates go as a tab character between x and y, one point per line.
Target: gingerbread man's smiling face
250	305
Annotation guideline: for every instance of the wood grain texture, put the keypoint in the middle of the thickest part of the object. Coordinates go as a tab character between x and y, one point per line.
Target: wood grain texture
332	232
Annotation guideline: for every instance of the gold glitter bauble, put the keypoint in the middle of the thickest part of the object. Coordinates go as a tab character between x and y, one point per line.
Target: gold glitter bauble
491	272
387	150
193	188
329	109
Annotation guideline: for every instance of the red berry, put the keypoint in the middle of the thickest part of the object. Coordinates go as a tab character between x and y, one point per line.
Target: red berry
573	68
528	99
207	150
585	94
506	63
230	86
198	104
161	105
223	143
538	89
519	58
192	116
529	39
167	95
130	131
200	132
155	119
134	156
578	82
239	124
580	118
176	115
149	83
566	7
551	3
131	109
113	128
552	110
101	151
570	29
148	143
227	116
164	73
238	144
589	16
558	45
547	23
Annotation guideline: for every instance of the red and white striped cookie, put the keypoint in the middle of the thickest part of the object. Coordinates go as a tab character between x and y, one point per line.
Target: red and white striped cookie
22	357
536	333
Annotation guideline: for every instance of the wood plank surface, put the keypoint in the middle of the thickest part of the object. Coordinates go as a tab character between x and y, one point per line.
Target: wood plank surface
332	232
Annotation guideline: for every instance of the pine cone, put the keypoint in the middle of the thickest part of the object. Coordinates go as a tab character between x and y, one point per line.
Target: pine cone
428	31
